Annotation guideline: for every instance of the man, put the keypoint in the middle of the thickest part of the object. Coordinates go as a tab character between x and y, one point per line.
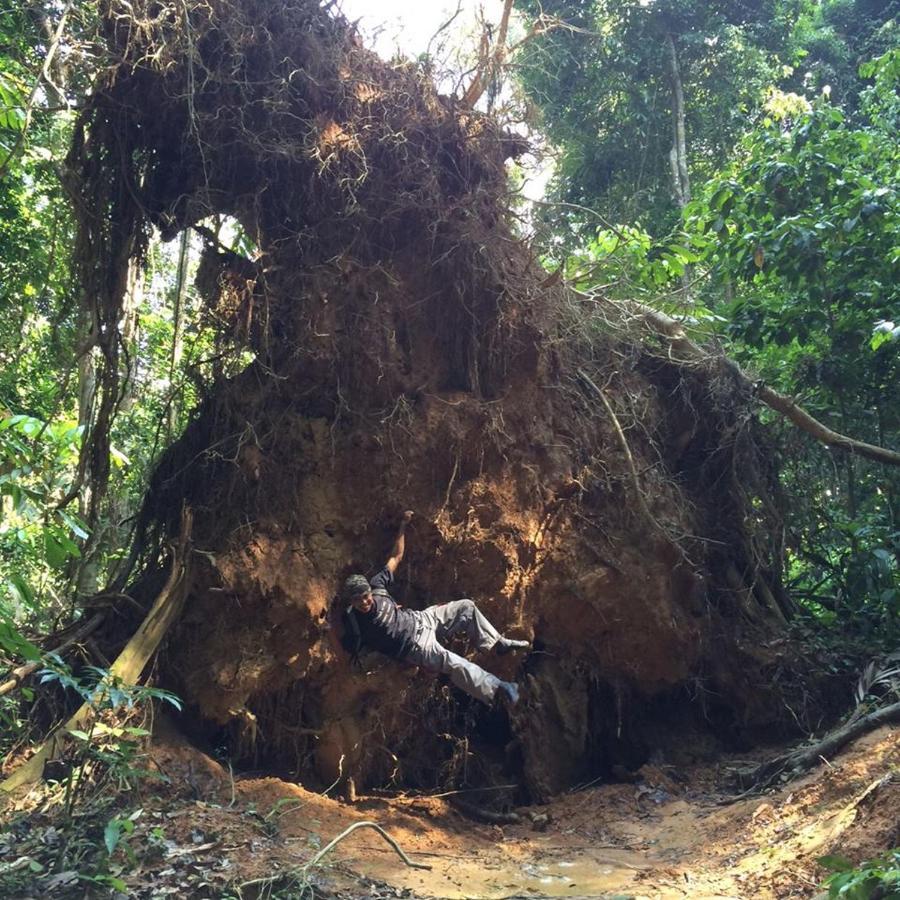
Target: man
374	620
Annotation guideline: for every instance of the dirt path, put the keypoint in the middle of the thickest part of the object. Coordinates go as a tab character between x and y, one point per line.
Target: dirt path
667	835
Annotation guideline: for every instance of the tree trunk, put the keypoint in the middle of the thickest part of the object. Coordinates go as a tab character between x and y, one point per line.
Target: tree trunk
678	160
681	183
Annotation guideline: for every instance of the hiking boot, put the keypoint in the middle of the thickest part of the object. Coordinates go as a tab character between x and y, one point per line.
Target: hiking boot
507	694
506	645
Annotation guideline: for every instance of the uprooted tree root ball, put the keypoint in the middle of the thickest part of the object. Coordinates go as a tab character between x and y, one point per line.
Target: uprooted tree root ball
609	503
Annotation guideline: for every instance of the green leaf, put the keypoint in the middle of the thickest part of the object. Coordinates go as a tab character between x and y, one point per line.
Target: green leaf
69	545
878	339
21	590
111	835
15	644
54	552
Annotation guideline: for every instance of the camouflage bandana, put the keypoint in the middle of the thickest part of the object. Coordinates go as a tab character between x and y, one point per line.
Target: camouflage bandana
354	586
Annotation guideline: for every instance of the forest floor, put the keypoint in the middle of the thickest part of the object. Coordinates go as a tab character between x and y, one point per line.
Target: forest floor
668	834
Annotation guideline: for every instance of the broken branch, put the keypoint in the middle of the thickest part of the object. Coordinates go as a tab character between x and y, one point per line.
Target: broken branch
799	761
672	330
490	62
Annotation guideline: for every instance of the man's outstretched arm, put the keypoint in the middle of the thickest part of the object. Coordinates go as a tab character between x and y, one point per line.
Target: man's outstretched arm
399	543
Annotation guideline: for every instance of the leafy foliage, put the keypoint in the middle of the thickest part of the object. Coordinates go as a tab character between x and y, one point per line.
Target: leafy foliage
873	879
789	249
604	88
108	753
800	238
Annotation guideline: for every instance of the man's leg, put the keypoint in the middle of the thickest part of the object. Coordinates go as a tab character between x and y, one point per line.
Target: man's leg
468	677
464	617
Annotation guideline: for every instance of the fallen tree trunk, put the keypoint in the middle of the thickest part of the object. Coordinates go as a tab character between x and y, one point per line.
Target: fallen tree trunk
128	665
799	761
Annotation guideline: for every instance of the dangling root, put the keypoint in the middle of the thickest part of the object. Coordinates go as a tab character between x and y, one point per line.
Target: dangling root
259	882
348	831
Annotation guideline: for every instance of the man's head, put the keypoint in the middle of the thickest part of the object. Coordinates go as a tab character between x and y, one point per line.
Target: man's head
358	593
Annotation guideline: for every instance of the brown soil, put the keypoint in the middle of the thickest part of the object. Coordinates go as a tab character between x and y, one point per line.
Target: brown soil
665	834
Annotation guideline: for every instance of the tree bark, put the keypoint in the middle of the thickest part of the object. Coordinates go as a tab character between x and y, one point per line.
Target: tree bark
184	249
86	576
490	62
681	181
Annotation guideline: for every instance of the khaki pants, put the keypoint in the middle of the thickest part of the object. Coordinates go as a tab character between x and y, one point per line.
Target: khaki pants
457	617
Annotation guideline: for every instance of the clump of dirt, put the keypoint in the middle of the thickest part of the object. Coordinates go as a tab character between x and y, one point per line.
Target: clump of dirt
593	496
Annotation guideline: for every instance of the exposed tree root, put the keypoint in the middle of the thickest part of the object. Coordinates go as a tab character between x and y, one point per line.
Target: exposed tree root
626	450
404	339
281	876
348	831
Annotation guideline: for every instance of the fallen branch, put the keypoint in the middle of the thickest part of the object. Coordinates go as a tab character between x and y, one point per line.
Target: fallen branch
799	761
673	331
128	665
17	676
